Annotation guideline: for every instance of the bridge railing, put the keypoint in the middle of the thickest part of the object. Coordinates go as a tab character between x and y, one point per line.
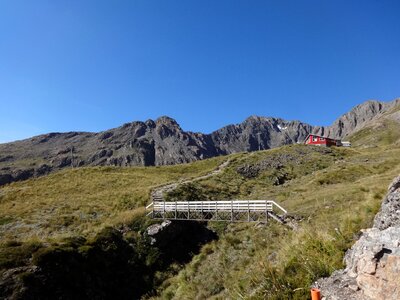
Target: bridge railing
164	208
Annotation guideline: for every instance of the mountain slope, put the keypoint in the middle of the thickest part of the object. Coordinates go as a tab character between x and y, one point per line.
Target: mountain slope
48	225
360	116
163	142
332	192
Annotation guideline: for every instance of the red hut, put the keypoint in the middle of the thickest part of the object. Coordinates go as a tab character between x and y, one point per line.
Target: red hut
317	140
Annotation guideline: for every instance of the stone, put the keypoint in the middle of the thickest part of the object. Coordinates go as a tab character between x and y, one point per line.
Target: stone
6	178
373	262
43	170
22	174
155	229
388	215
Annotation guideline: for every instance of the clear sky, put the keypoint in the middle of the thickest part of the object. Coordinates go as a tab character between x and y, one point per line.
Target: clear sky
94	65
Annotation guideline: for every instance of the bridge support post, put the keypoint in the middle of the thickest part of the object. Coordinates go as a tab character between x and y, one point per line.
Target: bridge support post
176	210
248	211
231	210
164	210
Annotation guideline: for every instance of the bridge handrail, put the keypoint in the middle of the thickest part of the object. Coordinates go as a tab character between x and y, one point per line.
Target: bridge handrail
215	205
222	201
278	206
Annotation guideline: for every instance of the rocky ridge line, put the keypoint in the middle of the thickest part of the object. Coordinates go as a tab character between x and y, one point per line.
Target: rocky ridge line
163	142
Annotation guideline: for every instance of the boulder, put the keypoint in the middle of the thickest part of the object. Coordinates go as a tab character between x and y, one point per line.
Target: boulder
6	178
389	215
373	263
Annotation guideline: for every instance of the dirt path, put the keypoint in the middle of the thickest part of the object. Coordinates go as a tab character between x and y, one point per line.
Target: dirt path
158	193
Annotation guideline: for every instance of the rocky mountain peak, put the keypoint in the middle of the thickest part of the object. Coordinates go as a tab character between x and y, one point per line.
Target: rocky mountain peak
167	121
163	142
150	123
256	119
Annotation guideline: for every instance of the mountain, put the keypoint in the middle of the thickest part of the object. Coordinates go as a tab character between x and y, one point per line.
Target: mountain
359	117
83	232
163	142
53	244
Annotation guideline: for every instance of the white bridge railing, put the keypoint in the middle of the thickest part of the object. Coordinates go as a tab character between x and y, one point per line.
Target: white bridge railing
230	210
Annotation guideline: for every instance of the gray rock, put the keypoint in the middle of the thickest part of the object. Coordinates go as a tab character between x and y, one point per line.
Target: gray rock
6	158
43	170
22	174
373	263
389	215
6	178
61	162
278	160
155	229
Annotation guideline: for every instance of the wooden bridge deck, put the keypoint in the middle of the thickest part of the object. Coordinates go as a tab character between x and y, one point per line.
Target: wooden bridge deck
232	210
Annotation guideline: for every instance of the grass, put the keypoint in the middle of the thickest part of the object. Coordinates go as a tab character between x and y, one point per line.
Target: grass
386	132
335	192
15	254
82	201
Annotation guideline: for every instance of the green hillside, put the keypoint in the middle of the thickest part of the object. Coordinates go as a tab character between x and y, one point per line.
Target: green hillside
335	192
330	193
83	200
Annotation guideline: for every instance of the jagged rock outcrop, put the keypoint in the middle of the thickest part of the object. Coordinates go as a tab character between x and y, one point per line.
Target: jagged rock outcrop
259	133
356	119
373	263
163	142
278	161
389	214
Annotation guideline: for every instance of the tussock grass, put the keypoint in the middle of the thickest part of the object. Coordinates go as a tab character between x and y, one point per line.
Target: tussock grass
385	132
337	194
84	200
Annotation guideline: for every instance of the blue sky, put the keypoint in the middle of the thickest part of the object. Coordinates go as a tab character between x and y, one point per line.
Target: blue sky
93	65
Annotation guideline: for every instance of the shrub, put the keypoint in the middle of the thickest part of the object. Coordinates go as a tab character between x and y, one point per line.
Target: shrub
15	254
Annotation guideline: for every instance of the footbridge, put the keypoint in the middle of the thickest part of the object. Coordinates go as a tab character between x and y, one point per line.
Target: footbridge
230	210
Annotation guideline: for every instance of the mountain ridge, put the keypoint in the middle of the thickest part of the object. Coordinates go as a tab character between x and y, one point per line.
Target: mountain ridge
164	142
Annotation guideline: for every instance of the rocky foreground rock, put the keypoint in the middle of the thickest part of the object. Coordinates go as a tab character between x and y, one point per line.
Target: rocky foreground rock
373	263
163	142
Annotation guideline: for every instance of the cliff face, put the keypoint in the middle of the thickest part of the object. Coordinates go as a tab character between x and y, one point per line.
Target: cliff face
373	263
259	133
356	119
163	142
